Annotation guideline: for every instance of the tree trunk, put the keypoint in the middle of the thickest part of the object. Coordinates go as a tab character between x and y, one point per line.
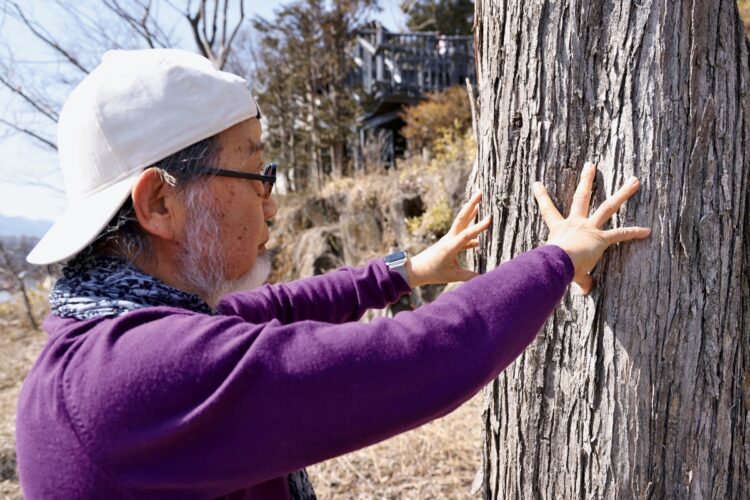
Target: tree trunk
642	388
26	301
18	275
338	161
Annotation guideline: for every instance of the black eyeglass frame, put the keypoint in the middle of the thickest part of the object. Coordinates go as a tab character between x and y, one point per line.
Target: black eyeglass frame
268	177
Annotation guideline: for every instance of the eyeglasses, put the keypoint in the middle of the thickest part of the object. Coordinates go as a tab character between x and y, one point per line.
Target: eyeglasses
268	177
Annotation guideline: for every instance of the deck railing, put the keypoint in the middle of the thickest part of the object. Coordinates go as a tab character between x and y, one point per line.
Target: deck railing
412	63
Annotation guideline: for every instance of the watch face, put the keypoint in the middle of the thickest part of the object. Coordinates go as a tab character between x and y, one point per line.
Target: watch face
395	257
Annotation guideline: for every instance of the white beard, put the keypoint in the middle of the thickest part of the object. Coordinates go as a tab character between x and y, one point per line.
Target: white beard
203	237
255	277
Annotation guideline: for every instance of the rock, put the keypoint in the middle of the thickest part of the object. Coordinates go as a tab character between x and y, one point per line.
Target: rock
362	235
454	181
316	212
318	250
401	207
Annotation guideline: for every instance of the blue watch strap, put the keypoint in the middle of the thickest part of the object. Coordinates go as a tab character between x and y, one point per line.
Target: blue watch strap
397	262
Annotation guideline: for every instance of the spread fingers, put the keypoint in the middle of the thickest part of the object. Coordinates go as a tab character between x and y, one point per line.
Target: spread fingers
549	212
473	231
582	196
614	202
467	213
622	234
471	244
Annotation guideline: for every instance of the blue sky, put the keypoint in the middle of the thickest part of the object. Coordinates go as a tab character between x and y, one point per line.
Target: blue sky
21	158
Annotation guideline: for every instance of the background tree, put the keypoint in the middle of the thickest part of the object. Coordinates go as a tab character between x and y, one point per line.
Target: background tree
641	389
340	106
449	17
278	80
302	74
14	271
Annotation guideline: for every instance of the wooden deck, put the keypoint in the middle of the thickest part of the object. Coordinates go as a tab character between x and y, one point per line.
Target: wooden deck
397	70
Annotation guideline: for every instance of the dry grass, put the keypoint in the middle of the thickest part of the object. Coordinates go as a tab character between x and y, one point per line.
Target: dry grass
19	347
437	460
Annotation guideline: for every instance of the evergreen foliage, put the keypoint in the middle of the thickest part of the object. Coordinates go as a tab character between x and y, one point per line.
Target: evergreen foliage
303	62
448	17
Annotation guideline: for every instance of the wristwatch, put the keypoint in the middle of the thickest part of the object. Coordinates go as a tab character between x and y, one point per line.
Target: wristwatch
397	262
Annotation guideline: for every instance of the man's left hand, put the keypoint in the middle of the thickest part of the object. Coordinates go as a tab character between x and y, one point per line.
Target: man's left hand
439	263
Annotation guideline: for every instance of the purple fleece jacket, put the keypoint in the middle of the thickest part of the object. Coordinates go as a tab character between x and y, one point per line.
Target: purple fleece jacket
164	402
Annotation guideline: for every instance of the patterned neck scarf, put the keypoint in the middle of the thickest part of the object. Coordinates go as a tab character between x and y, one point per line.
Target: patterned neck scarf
101	285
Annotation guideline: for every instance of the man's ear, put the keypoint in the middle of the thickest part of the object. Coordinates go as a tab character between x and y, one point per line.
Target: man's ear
156	205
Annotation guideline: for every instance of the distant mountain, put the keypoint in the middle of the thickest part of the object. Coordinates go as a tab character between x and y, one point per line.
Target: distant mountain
20	226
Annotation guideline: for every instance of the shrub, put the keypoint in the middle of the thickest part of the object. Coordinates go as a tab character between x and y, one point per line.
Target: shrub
440	113
435	222
450	149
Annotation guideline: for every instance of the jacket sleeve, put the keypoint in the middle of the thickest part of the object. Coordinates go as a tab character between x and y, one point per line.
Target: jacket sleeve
335	297
217	404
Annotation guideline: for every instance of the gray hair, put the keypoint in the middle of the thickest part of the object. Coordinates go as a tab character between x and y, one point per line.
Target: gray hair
123	235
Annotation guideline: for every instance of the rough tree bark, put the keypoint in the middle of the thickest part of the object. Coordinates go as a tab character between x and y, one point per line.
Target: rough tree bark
641	389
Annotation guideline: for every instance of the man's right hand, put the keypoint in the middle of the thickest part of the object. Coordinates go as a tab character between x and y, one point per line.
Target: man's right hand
582	236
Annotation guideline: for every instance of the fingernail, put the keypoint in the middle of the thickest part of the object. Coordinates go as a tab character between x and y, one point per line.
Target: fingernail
633	180
535	187
589	166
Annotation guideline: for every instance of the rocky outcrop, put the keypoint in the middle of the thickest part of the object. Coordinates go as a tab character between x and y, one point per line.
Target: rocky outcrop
318	250
355	219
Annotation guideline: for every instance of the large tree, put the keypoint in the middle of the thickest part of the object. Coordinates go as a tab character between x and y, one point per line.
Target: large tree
642	388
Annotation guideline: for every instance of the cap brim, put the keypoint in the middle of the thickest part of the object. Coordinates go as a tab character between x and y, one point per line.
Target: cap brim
81	223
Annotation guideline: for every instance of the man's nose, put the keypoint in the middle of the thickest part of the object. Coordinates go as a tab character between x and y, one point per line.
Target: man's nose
269	207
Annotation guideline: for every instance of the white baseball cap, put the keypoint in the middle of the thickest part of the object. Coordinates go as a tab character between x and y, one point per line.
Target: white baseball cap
134	109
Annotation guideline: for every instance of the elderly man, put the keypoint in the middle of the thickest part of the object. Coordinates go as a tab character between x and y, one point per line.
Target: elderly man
165	377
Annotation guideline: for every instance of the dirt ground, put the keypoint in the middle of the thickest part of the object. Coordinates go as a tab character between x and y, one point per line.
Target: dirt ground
438	460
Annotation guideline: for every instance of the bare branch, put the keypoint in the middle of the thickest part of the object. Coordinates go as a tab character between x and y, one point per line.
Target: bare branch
41	34
19	91
142	25
195	25
227	47
224	23
30	133
90	24
205	32
213	24
206	37
139	26
160	36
